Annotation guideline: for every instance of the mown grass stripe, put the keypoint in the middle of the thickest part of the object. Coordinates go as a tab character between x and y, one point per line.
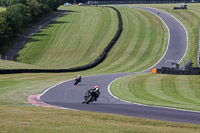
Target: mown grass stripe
152	88
186	90
151	53
136	43
96	44
126	44
195	86
117	49
91	39
161	90
139	43
142	43
167	86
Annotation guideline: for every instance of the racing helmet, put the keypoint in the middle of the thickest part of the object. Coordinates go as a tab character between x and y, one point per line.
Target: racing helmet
96	88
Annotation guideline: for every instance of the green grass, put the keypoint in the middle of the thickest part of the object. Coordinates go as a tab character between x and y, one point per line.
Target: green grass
73	40
14	65
18	116
140	88
190	19
141	44
20	119
137	49
174	91
15	88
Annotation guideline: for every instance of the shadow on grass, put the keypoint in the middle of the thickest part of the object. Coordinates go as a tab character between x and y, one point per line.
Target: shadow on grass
66	11
69	12
40	34
32	40
47	26
59	22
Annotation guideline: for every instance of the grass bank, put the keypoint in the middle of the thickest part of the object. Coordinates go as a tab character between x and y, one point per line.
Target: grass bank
15	65
74	39
137	49
141	44
174	91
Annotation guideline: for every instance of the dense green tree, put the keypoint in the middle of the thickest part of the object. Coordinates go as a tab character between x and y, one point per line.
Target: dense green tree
34	6
21	12
3	3
50	5
77	1
18	16
44	5
5	29
13	2
54	4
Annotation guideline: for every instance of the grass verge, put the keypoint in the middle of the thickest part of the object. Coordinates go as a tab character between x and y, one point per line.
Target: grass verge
174	91
25	119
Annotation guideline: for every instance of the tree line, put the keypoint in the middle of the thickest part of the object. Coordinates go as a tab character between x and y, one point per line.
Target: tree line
20	13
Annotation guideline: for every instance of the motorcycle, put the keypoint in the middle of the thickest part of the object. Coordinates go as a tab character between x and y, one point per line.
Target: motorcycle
90	96
77	80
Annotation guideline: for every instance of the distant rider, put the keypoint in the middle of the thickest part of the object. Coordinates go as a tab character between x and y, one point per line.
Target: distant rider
78	78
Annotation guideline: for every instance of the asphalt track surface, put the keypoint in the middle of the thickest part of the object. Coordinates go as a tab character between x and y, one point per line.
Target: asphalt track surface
67	95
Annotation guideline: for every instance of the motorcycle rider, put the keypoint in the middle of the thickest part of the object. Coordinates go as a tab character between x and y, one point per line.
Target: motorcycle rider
78	78
97	93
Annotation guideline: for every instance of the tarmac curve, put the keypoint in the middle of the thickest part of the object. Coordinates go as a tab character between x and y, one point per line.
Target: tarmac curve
66	95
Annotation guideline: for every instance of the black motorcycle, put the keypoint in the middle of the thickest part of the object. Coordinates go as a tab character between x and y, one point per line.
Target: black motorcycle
76	81
90	96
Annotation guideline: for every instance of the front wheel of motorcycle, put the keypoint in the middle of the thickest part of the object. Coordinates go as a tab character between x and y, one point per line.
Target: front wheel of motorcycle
89	99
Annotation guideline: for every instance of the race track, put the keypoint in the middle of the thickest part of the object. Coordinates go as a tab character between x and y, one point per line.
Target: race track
69	96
